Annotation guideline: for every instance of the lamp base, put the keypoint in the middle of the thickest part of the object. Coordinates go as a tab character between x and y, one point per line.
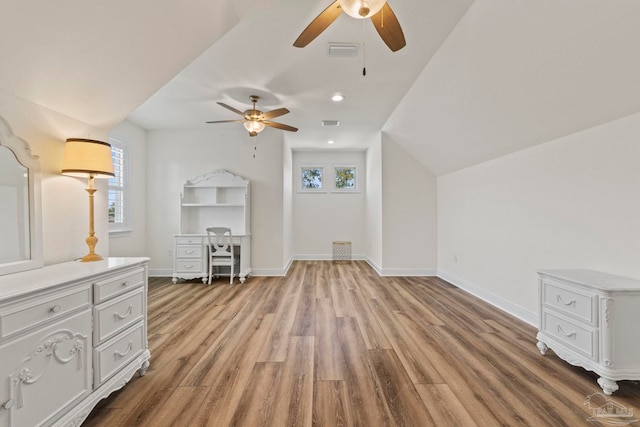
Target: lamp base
91	258
92	241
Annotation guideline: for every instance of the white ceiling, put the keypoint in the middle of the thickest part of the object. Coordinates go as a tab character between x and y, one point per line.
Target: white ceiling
476	80
257	57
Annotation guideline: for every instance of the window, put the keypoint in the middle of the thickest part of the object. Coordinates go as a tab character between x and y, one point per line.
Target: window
345	178
311	178
118	220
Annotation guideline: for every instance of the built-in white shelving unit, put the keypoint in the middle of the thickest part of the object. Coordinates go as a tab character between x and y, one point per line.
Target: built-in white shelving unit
216	199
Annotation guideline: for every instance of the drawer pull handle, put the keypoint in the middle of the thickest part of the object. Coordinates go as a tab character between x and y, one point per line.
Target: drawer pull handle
189	267
125	284
117	316
56	308
190	252
568	335
8	404
560	300
117	354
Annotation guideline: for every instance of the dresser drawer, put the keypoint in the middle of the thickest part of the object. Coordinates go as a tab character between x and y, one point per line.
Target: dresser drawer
117	285
118	314
117	352
189	251
185	240
188	266
23	316
45	371
582	305
573	334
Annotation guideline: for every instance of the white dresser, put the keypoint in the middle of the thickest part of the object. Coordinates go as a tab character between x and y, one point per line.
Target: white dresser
70	335
592	320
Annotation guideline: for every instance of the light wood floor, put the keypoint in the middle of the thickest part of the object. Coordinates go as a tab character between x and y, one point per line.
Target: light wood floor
337	345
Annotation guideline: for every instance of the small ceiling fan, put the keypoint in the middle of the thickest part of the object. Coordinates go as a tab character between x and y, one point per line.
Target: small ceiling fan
255	120
383	18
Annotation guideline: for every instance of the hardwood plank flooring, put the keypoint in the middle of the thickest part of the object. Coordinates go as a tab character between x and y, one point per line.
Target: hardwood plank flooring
337	345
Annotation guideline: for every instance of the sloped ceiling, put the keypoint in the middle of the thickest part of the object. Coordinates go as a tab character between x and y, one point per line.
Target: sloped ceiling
257	57
476	80
97	61
518	73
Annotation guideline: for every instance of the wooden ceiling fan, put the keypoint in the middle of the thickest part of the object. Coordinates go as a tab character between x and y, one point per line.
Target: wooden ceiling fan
383	18
255	120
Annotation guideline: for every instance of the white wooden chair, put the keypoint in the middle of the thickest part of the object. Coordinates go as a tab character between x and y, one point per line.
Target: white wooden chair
221	251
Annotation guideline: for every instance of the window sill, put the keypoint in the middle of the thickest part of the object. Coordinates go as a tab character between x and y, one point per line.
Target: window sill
123	232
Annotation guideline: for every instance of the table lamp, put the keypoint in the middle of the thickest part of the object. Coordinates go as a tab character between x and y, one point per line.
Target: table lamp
92	159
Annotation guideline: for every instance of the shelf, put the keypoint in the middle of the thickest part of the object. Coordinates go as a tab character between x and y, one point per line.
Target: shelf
216	198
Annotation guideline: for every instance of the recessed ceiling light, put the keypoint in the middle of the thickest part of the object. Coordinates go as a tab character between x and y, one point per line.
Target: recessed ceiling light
337	97
330	141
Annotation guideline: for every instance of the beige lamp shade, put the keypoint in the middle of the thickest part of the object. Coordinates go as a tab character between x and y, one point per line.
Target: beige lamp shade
87	157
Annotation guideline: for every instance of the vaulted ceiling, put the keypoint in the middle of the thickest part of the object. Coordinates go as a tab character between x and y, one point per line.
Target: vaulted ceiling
477	79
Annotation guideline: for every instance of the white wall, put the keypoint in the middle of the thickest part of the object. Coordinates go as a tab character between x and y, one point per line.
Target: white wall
373	205
321	218
568	203
173	157
133	243
65	206
287	203
409	212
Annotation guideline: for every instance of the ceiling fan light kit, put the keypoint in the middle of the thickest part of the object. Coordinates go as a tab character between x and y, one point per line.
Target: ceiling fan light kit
361	9
254	127
255	120
382	17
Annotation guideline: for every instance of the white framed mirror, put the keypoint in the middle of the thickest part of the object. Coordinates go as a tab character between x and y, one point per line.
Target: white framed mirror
20	204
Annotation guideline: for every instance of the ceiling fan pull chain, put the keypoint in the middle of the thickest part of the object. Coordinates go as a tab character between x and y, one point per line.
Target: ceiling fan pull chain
364	50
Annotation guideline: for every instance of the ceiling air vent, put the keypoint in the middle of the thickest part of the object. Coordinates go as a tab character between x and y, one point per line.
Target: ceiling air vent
331	123
343	50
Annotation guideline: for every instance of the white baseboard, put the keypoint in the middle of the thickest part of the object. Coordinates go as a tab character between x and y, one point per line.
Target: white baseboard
323	257
269	272
502	304
160	273
397	272
375	266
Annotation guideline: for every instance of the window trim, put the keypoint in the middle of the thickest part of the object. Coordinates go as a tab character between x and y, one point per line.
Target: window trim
356	187
300	186
123	228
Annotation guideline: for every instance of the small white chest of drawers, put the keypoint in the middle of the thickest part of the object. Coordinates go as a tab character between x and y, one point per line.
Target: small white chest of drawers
191	256
592	319
70	335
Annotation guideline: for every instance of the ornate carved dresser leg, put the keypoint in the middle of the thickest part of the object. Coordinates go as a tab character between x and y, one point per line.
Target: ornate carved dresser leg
143	368
608	386
542	347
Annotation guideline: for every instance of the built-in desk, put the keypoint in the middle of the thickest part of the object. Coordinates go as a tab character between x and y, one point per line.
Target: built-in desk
216	199
191	260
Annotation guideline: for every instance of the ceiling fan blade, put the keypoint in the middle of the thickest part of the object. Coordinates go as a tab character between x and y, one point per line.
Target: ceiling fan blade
319	24
228	107
389	28
226	121
274	113
280	126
